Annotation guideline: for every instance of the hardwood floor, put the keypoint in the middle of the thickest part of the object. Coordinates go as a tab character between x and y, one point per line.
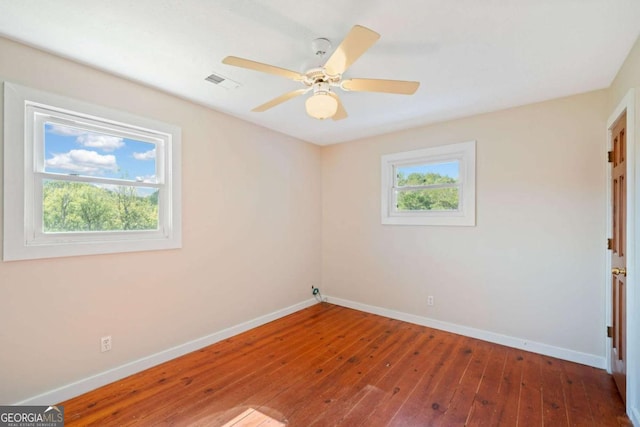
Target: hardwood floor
329	365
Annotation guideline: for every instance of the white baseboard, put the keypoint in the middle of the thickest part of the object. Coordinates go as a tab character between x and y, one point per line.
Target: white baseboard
520	343
87	384
635	416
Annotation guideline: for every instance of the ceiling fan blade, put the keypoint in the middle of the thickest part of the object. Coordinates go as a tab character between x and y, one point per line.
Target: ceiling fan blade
279	100
357	42
265	68
401	87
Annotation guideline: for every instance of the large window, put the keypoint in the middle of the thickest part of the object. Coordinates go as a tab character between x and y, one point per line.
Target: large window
432	186
82	179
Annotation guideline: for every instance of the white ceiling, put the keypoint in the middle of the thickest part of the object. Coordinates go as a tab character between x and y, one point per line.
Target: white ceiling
471	56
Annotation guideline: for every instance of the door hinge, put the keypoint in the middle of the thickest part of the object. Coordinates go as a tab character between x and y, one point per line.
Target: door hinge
610	156
609	244
609	331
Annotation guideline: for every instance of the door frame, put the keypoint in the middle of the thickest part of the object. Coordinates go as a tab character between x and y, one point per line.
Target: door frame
627	106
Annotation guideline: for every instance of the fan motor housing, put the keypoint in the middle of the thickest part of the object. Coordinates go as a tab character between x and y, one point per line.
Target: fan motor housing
321	87
318	75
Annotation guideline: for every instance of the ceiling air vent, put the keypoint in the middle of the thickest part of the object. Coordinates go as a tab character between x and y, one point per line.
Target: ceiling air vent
222	81
215	79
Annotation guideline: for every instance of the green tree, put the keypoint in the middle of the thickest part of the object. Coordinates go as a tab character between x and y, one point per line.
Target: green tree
96	208
57	206
136	213
428	199
74	206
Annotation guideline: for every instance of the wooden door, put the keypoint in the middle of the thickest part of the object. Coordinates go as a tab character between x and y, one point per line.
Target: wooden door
618	262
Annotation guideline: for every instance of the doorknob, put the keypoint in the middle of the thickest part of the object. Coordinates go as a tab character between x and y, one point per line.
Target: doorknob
616	271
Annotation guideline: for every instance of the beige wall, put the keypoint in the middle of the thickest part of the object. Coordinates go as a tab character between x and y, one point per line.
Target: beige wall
251	243
628	77
532	268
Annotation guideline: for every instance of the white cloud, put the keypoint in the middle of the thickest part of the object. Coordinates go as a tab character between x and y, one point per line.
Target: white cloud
104	142
147	155
88	139
65	130
84	162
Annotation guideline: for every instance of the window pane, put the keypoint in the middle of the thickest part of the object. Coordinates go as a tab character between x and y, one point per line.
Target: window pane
73	151
427	174
436	199
77	206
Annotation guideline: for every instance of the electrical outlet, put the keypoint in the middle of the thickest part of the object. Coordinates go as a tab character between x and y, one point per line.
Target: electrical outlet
105	343
430	300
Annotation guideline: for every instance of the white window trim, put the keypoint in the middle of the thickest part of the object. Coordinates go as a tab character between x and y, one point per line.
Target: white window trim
21	237
464	152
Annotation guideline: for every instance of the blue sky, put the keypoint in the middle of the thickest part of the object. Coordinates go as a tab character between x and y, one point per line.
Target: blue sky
450	169
70	150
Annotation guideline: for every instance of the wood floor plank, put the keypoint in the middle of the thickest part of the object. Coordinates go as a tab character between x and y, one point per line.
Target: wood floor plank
385	392
509	390
331	388
604	402
305	370
484	406
423	368
432	396
329	365
296	399
578	409
457	411
253	418
210	376
530	403
554	405
335	398
147	379
256	374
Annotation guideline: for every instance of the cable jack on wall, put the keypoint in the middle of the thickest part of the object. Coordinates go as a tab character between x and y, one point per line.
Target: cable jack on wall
316	293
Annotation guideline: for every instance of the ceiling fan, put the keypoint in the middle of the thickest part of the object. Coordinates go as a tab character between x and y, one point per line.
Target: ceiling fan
324	102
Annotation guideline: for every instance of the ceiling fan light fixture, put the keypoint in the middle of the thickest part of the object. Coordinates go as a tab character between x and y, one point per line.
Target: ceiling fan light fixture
321	105
324	103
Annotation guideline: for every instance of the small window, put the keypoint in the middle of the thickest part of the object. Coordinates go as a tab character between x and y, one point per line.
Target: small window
432	186
85	179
